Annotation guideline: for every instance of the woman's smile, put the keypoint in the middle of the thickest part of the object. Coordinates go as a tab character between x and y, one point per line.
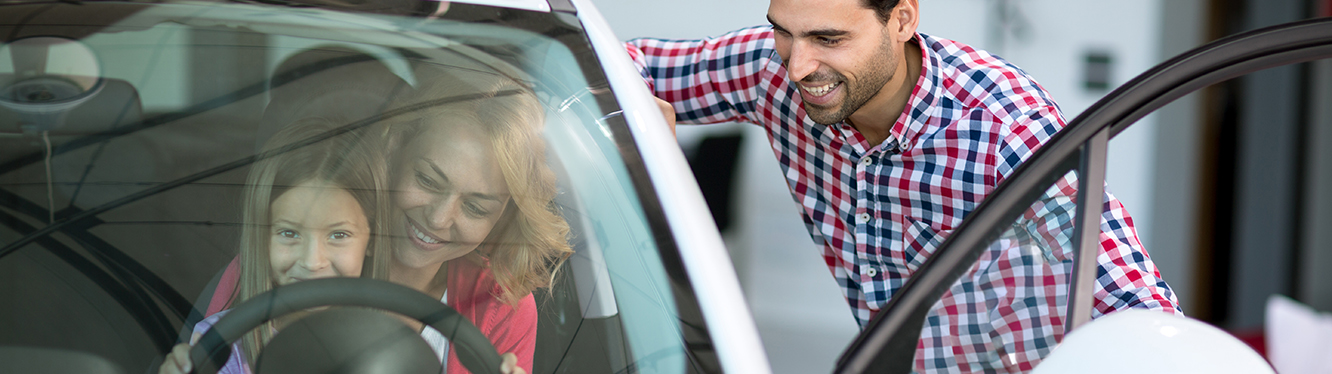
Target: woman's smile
450	191
423	239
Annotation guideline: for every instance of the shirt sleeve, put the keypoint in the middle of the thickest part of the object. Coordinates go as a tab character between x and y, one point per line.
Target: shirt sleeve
236	364
512	329
1008	311
1126	276
709	80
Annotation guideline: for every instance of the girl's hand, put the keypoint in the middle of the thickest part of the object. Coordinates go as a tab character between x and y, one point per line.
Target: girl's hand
509	364
178	361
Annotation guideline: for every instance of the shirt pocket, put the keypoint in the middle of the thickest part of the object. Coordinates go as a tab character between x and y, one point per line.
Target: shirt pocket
919	240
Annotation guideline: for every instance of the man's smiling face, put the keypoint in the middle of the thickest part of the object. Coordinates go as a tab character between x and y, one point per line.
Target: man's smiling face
838	52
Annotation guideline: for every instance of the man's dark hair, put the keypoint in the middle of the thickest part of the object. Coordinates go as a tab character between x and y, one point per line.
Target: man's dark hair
883	8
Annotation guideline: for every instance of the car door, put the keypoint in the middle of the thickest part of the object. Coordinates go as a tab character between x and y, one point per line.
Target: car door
1076	156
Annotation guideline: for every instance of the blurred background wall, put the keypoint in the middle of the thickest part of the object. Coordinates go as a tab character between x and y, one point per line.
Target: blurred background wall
1230	188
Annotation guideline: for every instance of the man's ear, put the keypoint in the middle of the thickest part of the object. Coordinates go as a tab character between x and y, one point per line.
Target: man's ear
906	17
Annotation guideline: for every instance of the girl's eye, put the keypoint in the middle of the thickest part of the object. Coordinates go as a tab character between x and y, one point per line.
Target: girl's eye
339	235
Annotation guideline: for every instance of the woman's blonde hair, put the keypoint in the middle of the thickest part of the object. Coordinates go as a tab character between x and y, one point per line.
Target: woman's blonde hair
530	241
312	149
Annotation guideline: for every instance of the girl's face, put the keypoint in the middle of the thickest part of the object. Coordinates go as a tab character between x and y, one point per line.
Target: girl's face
318	231
449	193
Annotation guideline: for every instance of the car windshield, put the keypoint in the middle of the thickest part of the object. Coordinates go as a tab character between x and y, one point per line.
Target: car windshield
161	162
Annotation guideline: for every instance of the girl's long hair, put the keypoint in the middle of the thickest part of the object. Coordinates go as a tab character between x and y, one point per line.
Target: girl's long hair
312	149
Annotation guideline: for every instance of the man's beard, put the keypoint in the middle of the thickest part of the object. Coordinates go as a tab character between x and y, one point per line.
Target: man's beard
857	93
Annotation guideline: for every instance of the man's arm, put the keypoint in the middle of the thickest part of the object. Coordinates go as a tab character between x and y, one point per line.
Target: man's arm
1010	309
709	80
1126	275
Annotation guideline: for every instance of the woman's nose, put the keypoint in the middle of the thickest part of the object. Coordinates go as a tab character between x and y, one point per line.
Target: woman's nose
444	212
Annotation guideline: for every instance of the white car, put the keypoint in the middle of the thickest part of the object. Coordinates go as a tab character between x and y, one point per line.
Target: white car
127	130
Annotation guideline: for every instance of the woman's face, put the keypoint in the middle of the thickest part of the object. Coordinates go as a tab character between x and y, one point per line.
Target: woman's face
449	192
318	231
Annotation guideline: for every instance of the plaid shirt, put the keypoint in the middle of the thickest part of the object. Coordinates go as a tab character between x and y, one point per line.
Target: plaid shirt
879	210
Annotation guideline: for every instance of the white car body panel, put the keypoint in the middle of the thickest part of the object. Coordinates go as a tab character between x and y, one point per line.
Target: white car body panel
1145	340
730	323
533	5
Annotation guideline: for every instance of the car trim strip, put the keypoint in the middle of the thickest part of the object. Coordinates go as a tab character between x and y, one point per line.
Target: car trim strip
701	248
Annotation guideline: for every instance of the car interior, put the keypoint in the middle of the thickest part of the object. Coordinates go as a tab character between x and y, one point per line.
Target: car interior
117	227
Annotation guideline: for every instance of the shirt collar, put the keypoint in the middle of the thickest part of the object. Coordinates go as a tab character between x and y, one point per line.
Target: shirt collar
924	100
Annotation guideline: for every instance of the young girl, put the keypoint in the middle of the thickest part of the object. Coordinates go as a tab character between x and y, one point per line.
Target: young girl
312	209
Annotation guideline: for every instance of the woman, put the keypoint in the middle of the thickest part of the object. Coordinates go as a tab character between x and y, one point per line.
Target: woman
475	223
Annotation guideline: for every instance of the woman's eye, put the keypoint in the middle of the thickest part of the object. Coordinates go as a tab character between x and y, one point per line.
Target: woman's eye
476	210
339	235
425	181
288	234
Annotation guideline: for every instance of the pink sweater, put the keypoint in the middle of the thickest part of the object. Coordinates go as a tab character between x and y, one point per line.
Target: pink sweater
472	290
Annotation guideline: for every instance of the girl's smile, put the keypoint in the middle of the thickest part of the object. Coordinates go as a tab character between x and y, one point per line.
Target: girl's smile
318	231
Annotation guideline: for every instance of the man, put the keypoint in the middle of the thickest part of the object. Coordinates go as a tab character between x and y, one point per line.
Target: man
888	138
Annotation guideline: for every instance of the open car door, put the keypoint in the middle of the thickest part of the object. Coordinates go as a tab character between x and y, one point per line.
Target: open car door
888	343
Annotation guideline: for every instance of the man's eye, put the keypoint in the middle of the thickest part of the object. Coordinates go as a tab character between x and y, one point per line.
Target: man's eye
829	41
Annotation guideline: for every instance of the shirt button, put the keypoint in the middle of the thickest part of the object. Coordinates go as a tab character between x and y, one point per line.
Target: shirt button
862	218
866	161
872	272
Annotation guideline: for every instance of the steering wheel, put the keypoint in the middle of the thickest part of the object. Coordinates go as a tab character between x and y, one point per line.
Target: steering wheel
474	350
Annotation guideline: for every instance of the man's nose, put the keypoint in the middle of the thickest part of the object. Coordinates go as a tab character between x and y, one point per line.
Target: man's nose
801	61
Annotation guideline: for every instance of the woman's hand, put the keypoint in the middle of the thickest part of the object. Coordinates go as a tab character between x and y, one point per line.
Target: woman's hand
178	361
509	364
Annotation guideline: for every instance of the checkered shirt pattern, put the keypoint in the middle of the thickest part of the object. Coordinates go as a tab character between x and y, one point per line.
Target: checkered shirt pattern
879	210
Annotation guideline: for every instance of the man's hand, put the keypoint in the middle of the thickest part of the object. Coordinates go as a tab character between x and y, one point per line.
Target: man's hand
667	111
